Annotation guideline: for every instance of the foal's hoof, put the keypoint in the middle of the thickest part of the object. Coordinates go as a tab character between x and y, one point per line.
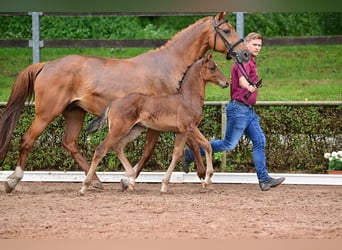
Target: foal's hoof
130	187
97	184
205	184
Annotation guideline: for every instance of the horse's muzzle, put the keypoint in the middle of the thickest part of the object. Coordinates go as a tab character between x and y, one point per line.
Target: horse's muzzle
240	57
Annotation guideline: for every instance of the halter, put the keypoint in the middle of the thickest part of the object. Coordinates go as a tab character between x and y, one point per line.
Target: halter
224	40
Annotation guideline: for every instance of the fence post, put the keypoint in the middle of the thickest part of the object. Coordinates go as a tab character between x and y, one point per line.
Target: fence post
240	24
223	133
35	43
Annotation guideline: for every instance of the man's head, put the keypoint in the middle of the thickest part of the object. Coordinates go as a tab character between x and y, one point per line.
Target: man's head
254	43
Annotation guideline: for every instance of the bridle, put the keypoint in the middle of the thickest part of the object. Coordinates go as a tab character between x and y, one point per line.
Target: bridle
224	40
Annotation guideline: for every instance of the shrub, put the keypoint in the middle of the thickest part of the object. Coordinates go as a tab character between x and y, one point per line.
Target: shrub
296	138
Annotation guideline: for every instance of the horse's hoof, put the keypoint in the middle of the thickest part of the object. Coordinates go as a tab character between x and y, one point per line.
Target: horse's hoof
201	175
8	187
97	185
124	185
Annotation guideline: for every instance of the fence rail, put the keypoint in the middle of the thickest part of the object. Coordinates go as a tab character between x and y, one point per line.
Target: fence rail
151	43
36	43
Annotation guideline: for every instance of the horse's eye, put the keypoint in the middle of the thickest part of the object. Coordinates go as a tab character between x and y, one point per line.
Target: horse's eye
212	68
226	31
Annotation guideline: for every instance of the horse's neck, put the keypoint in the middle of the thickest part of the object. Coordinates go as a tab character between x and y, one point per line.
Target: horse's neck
190	43
184	48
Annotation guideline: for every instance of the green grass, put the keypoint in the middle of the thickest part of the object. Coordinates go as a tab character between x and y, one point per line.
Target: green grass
290	73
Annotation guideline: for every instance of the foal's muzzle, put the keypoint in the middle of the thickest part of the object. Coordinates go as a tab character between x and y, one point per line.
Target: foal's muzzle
225	85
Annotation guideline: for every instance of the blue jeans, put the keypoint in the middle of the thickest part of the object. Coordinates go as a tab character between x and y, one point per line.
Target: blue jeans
243	120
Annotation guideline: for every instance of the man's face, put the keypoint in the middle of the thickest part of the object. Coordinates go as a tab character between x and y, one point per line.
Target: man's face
254	46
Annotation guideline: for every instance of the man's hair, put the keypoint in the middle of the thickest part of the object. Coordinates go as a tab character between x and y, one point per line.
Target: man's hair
253	35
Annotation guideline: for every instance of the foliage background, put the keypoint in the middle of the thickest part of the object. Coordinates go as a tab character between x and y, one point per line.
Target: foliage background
308	130
129	27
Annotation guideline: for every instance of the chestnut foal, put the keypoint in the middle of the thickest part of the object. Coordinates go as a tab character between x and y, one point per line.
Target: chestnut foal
179	113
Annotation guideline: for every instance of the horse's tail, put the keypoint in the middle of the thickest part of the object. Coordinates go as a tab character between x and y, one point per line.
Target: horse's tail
22	90
99	122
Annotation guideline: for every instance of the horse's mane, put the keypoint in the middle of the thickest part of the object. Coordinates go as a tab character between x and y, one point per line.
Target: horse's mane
179	33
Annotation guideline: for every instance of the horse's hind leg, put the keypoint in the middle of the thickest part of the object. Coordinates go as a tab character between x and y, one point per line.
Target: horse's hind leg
205	144
27	141
195	149
150	144
74	121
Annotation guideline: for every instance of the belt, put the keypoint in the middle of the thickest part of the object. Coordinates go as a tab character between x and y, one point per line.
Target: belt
242	103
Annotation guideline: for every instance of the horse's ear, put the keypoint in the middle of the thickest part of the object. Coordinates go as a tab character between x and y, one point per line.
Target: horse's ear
220	16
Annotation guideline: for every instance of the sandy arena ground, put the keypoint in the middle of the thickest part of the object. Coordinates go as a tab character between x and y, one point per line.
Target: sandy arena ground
42	210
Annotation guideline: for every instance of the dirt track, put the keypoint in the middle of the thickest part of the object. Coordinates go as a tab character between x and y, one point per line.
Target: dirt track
224	211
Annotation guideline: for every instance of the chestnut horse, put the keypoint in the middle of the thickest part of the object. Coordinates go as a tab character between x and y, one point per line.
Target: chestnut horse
179	113
76	84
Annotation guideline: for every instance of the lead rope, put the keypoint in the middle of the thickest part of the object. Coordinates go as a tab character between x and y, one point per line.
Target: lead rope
244	73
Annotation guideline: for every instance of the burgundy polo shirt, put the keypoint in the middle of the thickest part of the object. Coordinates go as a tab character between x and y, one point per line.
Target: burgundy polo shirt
238	93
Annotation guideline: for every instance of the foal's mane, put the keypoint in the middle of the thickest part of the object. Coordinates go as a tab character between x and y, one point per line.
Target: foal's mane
180	82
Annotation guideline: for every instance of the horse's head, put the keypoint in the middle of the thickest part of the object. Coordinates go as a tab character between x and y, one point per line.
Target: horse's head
211	72
225	39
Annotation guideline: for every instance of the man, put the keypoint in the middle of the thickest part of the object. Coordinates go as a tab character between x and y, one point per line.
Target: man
241	117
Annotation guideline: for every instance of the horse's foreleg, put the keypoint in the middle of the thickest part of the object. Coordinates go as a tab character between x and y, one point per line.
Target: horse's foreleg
176	156
26	145
74	121
150	144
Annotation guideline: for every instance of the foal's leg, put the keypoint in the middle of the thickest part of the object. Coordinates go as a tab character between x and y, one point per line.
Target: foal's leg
99	153
130	181
74	121
118	129
27	141
150	144
134	133
176	156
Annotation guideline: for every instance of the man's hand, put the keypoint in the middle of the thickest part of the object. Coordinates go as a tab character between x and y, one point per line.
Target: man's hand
253	87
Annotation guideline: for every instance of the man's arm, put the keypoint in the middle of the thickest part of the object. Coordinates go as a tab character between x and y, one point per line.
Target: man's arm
246	85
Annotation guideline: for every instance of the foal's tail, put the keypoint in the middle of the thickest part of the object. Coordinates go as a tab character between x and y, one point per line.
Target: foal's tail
99	122
22	90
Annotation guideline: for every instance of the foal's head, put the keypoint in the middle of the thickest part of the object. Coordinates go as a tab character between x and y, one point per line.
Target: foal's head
210	72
